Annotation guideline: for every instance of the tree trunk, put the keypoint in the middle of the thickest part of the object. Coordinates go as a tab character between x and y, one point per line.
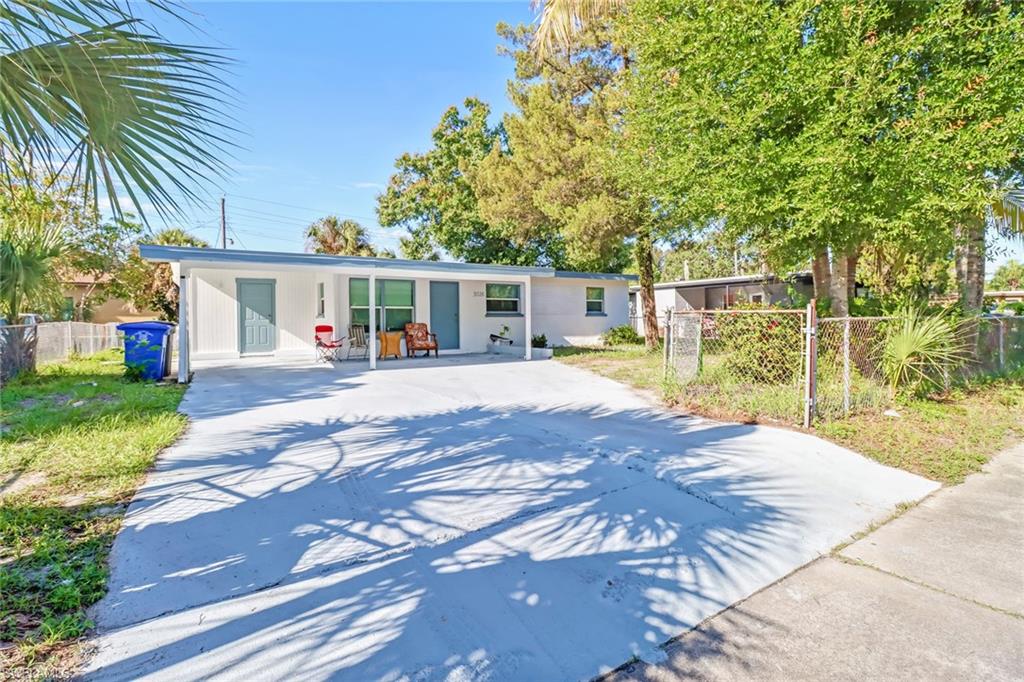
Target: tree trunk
822	278
851	275
839	290
645	263
970	263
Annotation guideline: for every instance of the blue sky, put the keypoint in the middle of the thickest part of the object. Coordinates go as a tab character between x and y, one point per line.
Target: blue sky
329	94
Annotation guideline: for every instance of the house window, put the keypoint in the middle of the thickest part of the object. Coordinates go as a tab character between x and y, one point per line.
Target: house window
595	300
757	298
393	299
320	303
502	299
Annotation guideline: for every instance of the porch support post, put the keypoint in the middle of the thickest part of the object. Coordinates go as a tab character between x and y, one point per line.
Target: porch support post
182	326
528	317
371	341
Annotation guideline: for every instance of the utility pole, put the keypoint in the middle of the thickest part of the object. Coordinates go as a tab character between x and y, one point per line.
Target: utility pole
223	226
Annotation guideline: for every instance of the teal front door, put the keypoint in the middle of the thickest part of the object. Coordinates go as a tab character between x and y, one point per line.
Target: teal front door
256	319
444	313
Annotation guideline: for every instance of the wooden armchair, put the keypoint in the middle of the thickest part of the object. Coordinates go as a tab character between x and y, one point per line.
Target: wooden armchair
418	338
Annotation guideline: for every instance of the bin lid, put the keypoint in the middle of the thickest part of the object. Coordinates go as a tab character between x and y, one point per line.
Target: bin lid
150	325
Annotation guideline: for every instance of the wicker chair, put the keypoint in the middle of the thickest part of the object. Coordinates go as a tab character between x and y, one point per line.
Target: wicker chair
418	338
357	340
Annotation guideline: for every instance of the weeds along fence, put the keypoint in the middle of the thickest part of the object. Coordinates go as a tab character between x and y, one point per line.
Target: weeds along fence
51	341
792	366
749	361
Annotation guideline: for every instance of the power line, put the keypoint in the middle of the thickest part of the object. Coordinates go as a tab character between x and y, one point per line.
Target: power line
304	208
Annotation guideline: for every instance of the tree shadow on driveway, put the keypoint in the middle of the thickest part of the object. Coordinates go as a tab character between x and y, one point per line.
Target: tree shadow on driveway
503	541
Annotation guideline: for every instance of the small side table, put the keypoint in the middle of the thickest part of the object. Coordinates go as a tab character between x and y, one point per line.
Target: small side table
390	344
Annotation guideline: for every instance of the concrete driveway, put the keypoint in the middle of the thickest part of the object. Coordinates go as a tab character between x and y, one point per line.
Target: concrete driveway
461	518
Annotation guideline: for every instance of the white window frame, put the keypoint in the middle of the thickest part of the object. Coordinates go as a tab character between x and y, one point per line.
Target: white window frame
594	300
321	300
518	312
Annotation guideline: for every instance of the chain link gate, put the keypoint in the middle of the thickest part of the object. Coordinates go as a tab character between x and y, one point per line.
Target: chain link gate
746	360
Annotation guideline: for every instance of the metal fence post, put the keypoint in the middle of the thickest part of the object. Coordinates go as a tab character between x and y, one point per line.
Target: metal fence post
666	347
811	344
1002	346
846	366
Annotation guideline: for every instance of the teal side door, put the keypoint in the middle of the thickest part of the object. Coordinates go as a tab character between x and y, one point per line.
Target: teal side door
257	331
444	313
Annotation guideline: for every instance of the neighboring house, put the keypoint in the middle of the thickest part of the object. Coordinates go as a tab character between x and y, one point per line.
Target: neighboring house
109	310
721	292
242	303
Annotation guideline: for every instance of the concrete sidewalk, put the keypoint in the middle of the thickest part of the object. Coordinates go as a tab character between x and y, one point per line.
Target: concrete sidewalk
936	594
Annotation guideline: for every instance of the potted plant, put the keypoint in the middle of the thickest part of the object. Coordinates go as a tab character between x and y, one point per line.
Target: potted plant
539	347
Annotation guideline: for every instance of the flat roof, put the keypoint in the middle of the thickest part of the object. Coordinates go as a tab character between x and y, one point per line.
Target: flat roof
177	254
722	281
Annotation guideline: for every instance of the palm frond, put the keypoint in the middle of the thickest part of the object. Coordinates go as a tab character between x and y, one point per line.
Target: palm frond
87	89
1008	213
561	20
920	350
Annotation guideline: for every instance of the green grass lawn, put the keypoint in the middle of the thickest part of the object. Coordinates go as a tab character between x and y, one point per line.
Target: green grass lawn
76	443
943	438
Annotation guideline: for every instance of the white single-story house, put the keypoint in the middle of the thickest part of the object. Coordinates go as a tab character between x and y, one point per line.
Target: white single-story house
246	303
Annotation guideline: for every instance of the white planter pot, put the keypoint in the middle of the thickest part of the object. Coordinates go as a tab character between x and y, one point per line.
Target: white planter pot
519	351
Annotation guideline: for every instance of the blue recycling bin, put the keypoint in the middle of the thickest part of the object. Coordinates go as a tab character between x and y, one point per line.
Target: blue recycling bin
145	347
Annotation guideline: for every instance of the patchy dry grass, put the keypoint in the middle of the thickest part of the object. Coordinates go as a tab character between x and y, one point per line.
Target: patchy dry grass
944	438
632	365
77	441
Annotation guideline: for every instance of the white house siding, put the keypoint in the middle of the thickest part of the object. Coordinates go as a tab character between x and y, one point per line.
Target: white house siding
214	310
560	309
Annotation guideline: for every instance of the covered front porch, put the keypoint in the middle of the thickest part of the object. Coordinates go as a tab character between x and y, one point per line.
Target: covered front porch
260	310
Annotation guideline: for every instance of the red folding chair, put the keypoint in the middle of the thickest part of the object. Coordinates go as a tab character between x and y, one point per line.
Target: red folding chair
327	347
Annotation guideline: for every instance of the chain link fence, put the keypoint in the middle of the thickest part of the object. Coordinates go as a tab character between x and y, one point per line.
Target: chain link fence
756	362
748	361
848	375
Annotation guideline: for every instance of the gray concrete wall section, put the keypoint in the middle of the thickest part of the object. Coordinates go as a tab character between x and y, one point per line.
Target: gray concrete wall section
456	518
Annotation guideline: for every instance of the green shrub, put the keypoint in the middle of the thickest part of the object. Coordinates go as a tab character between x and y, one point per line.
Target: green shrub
622	335
539	341
919	351
761	348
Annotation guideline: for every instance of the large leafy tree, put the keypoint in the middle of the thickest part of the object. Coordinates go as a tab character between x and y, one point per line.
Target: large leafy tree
152	286
552	183
816	129
1008	277
432	198
339	237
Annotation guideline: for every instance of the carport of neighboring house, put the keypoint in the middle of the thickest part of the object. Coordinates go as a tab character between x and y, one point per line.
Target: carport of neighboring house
248	303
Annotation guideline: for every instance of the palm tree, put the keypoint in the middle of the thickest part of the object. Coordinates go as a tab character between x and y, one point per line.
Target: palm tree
338	237
561	20
31	244
1007	216
92	97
